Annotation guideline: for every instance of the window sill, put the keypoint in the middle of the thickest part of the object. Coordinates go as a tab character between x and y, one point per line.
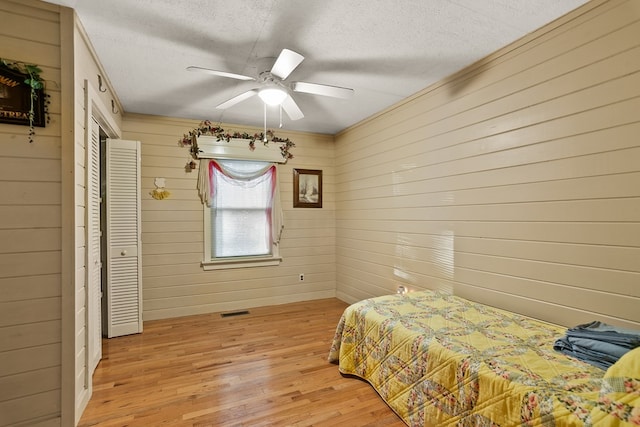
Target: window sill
240	263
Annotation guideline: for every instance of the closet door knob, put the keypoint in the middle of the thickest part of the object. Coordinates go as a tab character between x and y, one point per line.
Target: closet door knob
123	253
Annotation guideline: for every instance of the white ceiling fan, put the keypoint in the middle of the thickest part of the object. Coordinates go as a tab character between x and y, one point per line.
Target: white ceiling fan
273	90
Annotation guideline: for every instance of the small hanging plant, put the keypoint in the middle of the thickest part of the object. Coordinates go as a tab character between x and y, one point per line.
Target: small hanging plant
36	84
206	128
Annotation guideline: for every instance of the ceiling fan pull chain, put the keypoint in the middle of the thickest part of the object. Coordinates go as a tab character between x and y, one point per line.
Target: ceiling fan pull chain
264	138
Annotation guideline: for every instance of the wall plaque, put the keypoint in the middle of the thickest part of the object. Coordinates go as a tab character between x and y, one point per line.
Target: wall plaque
16	99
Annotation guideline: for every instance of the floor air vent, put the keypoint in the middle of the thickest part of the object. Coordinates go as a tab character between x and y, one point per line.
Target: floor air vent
235	313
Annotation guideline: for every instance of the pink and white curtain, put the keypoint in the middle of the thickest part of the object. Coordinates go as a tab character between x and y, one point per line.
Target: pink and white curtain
215	174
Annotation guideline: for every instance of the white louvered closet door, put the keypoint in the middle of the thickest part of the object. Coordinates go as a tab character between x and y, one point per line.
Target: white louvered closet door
94	276
124	269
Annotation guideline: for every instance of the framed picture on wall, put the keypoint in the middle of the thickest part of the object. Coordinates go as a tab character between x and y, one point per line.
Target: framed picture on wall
307	188
18	101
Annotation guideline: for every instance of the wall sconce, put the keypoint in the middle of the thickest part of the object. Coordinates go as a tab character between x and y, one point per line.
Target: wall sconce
160	192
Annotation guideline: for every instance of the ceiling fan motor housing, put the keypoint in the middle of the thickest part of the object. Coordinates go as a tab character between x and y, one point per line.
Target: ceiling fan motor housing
266	78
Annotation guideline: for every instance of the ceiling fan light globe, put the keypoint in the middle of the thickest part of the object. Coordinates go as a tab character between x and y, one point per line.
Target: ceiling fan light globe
272	96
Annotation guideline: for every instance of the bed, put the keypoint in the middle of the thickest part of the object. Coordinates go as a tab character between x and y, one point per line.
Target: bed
440	360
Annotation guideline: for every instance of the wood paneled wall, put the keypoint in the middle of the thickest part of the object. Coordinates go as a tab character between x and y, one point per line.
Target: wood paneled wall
30	230
515	182
174	283
92	97
43	377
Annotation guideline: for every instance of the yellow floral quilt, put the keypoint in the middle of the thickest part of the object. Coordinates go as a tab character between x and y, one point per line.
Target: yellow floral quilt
440	360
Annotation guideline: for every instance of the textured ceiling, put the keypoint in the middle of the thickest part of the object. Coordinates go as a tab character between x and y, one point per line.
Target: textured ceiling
385	50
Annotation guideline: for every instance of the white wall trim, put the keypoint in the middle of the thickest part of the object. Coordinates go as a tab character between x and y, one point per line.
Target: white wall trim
69	414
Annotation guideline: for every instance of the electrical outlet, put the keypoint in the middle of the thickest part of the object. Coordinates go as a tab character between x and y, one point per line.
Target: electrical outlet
301	277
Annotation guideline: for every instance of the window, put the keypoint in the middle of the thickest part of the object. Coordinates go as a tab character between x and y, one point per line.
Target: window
242	216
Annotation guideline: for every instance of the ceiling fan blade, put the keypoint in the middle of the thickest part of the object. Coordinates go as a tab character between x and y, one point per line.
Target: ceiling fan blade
236	99
325	90
219	73
292	109
287	61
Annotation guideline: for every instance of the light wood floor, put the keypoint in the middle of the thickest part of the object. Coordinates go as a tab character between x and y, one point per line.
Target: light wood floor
266	368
